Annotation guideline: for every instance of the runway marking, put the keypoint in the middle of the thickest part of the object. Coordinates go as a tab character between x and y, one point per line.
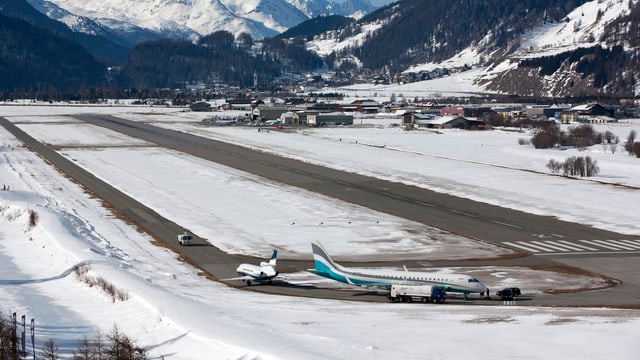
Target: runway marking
507	224
589	252
520	246
577	247
550	244
542	246
425	204
626	243
560	247
635	243
462	213
391	195
604	244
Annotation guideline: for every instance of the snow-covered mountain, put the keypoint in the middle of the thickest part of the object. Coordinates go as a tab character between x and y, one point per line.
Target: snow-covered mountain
190	18
589	50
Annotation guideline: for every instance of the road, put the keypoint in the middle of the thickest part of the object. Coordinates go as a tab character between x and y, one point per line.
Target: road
514	229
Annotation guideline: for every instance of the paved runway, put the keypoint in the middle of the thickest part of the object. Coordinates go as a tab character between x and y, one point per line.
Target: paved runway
546	240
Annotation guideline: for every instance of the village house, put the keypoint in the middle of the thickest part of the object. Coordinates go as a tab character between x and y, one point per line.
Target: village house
466	111
288	118
555	111
266	113
238	104
588	113
301	117
442	122
200	106
362	106
330	118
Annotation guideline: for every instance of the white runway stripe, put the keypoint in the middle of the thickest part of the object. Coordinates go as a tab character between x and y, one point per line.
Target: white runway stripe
521	247
554	245
582	246
577	247
602	244
634	243
542	246
624	245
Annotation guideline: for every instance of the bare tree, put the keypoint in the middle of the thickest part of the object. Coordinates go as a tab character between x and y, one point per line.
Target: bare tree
592	168
545	139
123	348
636	149
631	138
583	136
8	340
608	137
554	166
85	351
49	350
580	166
568	167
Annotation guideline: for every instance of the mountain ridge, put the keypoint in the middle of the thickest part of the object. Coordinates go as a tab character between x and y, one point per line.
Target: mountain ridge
538	48
99	45
497	37
179	19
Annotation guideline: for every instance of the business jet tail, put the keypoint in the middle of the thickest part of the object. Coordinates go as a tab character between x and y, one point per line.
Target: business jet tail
274	257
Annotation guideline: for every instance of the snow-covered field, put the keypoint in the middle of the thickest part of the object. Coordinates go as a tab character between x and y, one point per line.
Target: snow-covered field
175	313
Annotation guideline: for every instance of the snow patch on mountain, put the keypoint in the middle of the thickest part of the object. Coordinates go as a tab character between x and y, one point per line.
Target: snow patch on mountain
191	18
583	27
331	41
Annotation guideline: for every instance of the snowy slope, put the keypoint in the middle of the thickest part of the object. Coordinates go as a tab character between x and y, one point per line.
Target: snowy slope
258	17
175	313
188	18
583	27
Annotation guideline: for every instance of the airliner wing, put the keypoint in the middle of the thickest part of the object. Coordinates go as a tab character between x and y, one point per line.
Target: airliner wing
369	285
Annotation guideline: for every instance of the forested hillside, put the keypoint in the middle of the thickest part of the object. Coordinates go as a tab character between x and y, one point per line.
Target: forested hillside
421	31
316	26
99	46
214	58
32	59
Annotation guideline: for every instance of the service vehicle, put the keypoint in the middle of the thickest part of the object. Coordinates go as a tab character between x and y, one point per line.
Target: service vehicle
423	293
509	293
185	239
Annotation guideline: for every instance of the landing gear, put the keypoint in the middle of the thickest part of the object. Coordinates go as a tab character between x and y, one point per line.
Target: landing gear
248	282
466	296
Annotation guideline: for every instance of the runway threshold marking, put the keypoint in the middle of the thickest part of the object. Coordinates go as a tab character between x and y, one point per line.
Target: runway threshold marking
559	247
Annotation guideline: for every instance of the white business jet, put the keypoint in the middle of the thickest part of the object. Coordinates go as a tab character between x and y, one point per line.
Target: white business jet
383	278
264	273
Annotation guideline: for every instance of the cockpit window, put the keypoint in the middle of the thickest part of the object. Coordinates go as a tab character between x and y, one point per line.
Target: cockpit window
473	280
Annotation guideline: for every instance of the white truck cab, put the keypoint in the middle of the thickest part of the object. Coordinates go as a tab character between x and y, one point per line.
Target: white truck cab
185	239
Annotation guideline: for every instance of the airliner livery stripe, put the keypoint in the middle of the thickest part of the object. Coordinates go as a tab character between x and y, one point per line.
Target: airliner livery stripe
325	267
